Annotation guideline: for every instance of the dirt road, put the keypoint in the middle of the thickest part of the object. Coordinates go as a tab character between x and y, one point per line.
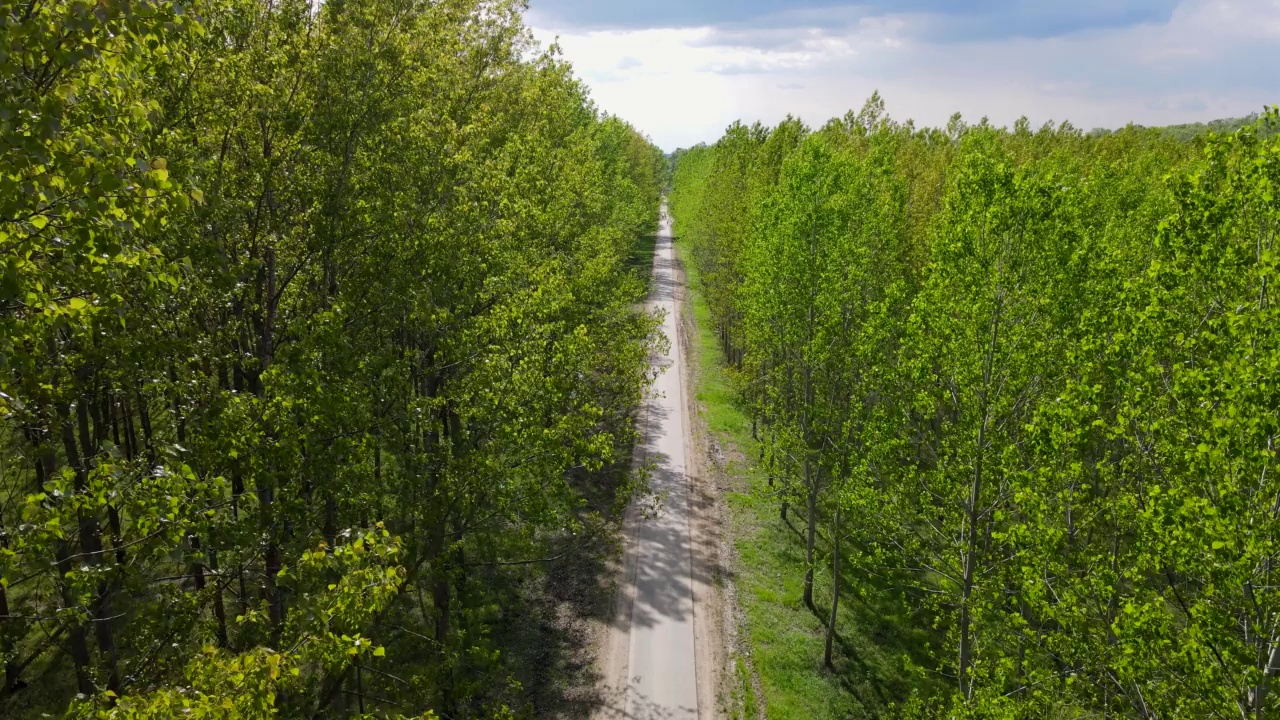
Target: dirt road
651	663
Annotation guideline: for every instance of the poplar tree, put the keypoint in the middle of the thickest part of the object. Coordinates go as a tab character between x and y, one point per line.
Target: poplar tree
1030	373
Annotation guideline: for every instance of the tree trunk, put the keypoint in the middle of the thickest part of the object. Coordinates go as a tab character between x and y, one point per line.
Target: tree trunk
117	534
441	595
810	479
219	607
359	689
1263	689
144	414
271	562
130	432
266	490
811	519
237	491
101	428
179	419
91	539
330	529
7	645
970	566
835	590
77	637
197	567
973	511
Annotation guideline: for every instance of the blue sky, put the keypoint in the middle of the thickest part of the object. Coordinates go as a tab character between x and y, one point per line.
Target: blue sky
986	18
682	70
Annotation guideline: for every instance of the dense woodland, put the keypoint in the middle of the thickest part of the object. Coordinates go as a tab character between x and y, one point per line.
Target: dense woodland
1026	379
315	329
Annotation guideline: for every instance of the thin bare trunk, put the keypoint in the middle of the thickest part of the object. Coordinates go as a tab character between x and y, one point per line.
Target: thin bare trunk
219	607
811	531
8	634
91	538
835	590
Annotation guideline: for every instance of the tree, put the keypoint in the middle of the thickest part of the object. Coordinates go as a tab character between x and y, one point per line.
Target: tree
1012	367
284	270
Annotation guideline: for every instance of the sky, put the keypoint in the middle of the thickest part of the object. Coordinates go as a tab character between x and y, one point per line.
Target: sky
683	70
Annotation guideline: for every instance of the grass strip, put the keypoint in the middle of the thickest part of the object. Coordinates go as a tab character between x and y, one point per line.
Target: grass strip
882	644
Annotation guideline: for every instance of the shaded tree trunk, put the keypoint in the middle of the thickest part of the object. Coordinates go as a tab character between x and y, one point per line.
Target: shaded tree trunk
91	539
77	637
811	529
835	590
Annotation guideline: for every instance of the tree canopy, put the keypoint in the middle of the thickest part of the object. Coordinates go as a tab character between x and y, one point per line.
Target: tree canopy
1027	376
314	319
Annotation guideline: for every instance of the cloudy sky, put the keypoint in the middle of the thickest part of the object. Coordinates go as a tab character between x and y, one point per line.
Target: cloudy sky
682	70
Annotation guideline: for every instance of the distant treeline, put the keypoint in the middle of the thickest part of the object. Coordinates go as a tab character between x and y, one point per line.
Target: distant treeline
1188	131
1225	126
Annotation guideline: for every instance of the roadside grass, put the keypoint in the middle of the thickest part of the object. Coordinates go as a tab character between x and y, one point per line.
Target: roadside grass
882	639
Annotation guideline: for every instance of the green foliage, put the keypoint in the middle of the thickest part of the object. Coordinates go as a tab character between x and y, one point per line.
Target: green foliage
342	588
272	271
1036	380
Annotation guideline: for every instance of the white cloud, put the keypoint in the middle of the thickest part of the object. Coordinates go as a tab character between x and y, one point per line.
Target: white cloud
1212	58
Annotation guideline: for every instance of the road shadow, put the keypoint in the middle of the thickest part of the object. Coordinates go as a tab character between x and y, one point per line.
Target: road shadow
616	704
663	285
549	636
671	565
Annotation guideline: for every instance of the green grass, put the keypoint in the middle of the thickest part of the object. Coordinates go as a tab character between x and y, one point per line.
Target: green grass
881	644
